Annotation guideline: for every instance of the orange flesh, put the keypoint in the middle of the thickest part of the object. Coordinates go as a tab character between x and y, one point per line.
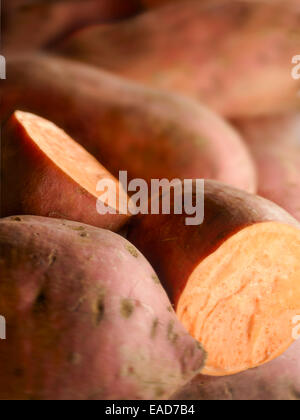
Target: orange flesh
66	154
240	302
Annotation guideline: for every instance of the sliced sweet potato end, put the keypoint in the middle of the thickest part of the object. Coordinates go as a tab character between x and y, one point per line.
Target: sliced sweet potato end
66	154
241	301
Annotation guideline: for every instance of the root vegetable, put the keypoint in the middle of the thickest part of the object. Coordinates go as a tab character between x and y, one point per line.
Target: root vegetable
52	20
126	126
86	317
236	57
46	173
234	280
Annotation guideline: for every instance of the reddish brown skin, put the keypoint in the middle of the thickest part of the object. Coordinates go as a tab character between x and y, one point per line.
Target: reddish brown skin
53	20
275	145
87	318
233	56
274	381
150	4
281	129
175	250
31	183
126	126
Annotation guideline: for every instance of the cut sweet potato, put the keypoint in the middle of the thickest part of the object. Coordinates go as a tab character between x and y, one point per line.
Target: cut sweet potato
87	318
234	279
275	144
44	172
236	57
126	126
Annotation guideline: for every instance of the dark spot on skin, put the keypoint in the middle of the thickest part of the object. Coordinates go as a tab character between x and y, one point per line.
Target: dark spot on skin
132	250
40	303
74	358
80	229
295	394
172	336
127	308
77	228
34	257
170	309
204	357
83	235
197	365
154	328
155	279
198	346
159	392
100	310
76	307
51	258
131	370
19	372
16	219
33	398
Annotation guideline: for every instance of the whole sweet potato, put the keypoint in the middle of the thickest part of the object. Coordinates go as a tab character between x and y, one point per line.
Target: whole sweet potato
275	145
234	279
86	317
46	173
234	56
126	126
274	381
33	24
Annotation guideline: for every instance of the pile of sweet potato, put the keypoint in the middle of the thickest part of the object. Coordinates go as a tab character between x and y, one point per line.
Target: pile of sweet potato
102	297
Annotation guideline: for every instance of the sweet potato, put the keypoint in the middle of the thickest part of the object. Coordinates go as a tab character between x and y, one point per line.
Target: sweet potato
86	317
234	280
51	20
233	56
149	133
46	173
275	144
274	381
